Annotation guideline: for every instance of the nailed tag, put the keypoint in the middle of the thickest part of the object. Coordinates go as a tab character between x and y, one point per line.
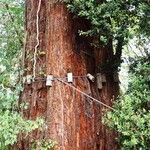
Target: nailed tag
29	79
70	77
99	80
90	77
49	80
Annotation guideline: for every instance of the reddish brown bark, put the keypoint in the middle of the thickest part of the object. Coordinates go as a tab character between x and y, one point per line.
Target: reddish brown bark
73	120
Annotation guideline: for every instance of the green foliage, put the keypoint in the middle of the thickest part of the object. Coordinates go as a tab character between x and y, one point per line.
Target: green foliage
111	19
132	116
11	124
44	144
11	35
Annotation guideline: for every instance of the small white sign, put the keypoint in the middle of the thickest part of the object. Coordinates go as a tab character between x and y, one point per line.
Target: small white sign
70	77
49	80
29	79
90	77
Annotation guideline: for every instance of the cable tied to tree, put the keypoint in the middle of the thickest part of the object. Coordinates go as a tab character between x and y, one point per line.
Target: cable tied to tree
37	39
61	79
97	101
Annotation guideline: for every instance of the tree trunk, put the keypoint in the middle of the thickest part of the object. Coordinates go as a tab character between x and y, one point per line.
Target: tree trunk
73	120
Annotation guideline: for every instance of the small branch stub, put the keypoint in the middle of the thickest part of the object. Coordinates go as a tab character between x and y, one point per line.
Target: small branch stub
49	80
70	77
90	77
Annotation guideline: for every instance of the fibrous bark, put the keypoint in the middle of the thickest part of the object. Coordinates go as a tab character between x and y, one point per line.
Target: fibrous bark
73	120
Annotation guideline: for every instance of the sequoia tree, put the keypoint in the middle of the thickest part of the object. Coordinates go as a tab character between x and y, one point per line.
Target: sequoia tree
54	47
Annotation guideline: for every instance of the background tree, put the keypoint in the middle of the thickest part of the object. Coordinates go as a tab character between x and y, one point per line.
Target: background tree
131	118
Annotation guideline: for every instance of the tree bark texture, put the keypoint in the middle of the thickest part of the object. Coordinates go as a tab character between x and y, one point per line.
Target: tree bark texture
73	120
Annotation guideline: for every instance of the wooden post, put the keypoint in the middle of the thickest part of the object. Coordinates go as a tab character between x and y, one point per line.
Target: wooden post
99	81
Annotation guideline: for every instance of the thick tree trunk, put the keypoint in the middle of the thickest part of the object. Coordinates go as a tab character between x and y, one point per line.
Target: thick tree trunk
73	120
107	95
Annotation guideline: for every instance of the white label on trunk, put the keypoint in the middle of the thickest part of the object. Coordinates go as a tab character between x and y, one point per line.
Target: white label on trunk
90	77
29	79
70	77
49	80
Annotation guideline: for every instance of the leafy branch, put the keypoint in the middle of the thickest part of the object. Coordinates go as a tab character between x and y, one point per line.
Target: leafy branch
13	23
